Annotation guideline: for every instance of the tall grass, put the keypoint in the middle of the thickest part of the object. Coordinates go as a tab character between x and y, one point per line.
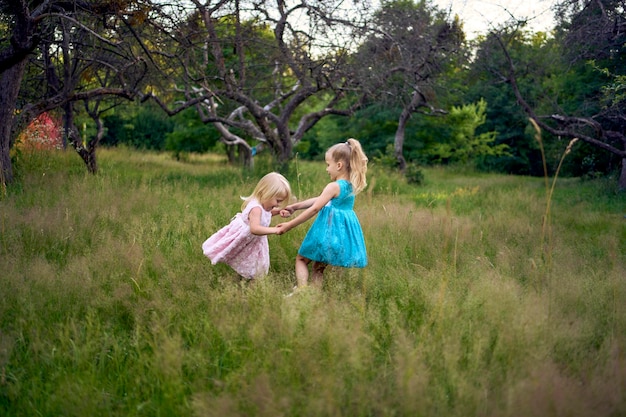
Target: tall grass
109	308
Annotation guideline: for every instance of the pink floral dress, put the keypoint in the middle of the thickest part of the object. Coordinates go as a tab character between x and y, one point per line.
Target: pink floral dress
236	246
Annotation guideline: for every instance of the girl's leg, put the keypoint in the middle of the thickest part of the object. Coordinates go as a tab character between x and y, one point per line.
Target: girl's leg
317	274
302	271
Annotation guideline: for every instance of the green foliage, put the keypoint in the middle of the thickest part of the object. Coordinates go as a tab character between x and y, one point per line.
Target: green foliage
374	126
190	135
110	308
429	139
143	127
463	144
555	76
586	91
581	85
386	159
259	53
614	93
413	172
503	114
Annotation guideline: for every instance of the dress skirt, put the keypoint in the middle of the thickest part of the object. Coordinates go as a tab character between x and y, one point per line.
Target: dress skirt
335	237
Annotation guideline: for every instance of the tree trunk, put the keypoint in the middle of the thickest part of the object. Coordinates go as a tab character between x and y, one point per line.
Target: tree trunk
245	156
230	153
92	145
6	170
622	177
398	144
284	153
10	81
86	153
91	161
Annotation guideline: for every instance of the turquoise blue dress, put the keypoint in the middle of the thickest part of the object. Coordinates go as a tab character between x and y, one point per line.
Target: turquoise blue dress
336	237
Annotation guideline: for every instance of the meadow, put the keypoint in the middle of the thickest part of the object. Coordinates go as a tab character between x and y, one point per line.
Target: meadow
484	296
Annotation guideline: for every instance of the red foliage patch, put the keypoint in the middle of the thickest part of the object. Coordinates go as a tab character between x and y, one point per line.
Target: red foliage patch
42	133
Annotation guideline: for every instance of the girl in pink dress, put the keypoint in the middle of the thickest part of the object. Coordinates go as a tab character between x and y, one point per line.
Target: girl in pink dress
242	244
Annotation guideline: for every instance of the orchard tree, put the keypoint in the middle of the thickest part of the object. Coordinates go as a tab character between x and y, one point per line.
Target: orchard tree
485	80
86	72
56	53
409	46
592	36
262	72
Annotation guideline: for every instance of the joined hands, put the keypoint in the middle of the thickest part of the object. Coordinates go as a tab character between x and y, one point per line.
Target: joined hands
286	212
282	227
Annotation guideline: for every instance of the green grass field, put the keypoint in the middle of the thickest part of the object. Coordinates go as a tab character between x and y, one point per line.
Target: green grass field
478	300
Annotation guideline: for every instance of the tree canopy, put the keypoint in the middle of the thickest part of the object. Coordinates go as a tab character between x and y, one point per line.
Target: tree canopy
289	75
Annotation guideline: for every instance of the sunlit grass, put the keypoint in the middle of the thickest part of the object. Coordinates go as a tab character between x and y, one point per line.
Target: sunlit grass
108	306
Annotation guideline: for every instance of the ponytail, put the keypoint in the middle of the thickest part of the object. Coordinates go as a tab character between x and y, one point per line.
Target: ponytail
351	153
358	165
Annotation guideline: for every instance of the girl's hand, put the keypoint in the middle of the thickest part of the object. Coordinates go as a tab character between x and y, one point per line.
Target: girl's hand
286	212
282	228
254	220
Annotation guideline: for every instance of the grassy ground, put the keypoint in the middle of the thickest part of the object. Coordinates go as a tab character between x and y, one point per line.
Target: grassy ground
482	297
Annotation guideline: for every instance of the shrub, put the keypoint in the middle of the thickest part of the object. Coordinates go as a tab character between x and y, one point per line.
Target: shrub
42	133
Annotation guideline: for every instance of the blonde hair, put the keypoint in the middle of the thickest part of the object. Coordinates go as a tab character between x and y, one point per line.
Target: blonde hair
270	185
351	154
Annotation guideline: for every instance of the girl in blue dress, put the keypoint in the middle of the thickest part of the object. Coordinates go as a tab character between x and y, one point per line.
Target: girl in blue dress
335	237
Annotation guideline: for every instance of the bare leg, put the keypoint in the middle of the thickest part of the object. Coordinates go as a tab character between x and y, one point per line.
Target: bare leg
302	271
317	275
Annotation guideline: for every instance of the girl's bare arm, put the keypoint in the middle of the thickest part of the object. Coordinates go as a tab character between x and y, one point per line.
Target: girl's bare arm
254	219
312	206
301	205
287	211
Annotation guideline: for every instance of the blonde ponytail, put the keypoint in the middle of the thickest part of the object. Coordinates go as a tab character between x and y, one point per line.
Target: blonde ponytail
352	154
358	166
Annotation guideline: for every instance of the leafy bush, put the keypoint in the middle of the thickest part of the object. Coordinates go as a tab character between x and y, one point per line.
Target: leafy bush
414	174
190	135
144	127
45	132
